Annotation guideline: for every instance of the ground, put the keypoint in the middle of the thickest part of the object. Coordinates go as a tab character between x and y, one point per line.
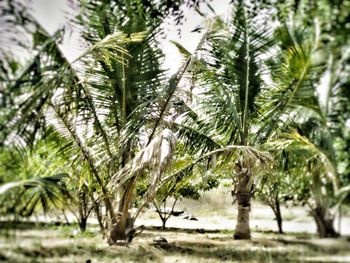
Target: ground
207	240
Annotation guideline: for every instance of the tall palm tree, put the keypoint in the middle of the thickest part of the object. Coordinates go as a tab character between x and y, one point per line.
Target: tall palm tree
247	88
225	110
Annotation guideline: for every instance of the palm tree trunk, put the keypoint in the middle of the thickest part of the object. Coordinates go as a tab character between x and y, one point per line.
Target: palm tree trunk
243	195
324	222
119	231
242	230
321	213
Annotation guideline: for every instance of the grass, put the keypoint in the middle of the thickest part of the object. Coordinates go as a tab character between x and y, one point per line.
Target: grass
54	244
207	240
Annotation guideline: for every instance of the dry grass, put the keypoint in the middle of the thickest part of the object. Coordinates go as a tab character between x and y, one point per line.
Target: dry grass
56	244
207	240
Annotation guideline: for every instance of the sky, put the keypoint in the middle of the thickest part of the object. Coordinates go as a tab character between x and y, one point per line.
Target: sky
52	14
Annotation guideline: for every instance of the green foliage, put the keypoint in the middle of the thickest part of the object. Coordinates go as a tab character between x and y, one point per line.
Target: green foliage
10	165
24	198
33	181
98	108
189	191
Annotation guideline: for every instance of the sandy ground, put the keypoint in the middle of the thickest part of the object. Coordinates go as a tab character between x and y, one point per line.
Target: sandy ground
221	223
59	245
215	211
207	240
222	216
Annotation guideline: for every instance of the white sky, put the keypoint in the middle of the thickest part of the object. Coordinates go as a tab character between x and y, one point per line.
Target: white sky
51	14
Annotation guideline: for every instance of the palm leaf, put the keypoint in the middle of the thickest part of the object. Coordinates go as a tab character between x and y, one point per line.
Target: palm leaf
294	91
31	195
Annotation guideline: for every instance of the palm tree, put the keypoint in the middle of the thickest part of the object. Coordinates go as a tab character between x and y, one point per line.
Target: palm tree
245	94
225	111
33	180
100	106
324	130
312	177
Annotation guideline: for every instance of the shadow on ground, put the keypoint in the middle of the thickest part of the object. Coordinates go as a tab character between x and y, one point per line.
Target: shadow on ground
52	244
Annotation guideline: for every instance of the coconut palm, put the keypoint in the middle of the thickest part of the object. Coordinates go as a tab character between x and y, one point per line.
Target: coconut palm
312	177
104	109
326	129
226	107
88	104
246	86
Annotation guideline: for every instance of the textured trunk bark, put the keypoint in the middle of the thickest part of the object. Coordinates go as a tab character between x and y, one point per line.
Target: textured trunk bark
243	194
125	223
242	230
324	223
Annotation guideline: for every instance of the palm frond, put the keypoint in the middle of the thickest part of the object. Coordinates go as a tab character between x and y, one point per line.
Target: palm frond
295	143
155	157
231	83
294	89
184	52
29	196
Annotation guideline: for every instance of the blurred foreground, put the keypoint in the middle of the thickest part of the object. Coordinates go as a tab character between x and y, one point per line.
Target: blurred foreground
207	240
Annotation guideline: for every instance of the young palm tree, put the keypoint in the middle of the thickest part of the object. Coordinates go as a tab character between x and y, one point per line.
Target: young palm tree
101	105
324	128
242	98
312	176
225	110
